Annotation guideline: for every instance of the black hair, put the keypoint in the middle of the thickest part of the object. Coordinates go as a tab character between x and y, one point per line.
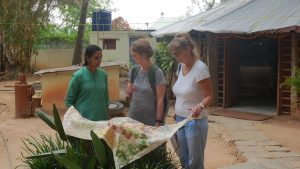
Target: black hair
89	51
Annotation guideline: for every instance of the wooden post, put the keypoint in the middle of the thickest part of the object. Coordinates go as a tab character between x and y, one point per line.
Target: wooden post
293	72
226	73
212	63
278	102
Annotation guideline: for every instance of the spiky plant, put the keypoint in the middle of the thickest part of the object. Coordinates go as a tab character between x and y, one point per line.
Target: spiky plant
65	152
44	144
159	158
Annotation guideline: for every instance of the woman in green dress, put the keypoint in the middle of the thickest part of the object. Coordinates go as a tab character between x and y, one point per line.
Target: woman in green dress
88	89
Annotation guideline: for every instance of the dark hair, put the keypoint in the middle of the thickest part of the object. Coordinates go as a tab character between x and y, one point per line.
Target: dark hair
142	46
89	51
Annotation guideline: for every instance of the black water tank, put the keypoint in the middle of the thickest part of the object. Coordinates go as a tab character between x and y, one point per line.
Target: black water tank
101	20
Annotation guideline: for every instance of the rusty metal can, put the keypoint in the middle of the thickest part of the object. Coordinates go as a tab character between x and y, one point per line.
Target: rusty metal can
23	99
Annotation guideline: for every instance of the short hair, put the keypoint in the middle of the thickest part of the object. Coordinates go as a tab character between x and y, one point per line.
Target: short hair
142	46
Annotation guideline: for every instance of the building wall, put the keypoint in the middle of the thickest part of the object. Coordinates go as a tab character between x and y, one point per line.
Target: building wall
52	58
55	58
122	45
55	86
288	56
121	54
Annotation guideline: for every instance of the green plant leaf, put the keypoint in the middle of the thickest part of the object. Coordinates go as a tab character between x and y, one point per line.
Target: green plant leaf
58	124
56	152
92	163
110	156
100	150
49	120
75	143
67	162
37	151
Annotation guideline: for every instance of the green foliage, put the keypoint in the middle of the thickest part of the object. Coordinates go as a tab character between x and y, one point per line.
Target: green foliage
92	163
20	24
68	151
65	152
70	12
45	144
47	119
64	33
157	159
167	63
58	124
45	152
67	163
52	35
100	150
163	58
293	82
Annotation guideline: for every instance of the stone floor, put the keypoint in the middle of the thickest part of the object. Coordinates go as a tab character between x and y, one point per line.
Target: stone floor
260	151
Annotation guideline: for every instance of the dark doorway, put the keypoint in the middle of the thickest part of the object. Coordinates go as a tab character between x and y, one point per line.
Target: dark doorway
252	75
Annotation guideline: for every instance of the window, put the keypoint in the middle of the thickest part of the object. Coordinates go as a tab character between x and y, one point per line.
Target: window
109	44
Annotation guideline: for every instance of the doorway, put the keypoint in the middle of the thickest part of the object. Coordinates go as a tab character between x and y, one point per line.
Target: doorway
252	75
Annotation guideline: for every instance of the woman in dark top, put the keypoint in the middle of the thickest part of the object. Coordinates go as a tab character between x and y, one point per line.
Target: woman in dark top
146	103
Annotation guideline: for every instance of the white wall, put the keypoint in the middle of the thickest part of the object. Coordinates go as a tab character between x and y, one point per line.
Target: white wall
121	54
52	58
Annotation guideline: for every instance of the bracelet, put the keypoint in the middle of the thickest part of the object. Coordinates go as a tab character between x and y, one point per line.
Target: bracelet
202	105
159	121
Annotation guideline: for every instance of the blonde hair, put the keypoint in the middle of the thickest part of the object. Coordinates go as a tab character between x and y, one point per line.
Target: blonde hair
182	41
142	46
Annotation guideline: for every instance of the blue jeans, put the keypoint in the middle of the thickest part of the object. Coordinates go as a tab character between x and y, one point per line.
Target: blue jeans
192	140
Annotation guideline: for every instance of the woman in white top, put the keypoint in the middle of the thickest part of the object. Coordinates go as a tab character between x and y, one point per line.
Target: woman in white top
193	91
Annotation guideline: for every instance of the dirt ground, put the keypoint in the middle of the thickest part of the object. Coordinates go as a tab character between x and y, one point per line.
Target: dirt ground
225	155
13	130
218	152
284	129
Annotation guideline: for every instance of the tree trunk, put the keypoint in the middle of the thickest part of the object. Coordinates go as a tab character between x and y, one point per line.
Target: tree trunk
80	34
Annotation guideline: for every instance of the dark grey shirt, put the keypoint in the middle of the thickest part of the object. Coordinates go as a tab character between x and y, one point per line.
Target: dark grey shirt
143	102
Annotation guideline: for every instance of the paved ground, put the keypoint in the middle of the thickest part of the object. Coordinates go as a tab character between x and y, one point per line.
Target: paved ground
260	151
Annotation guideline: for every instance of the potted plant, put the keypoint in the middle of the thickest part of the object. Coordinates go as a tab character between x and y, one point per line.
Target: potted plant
294	82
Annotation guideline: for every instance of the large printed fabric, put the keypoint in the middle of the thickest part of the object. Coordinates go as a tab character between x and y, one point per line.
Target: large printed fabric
128	139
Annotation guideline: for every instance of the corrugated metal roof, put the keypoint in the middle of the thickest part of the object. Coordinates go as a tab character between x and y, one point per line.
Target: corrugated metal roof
241	16
165	21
